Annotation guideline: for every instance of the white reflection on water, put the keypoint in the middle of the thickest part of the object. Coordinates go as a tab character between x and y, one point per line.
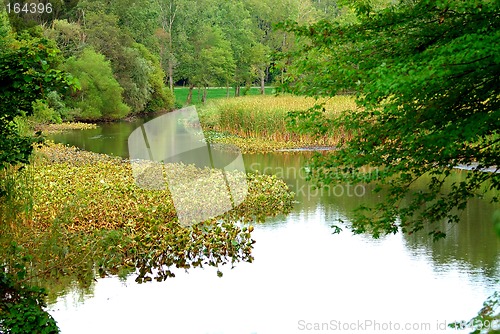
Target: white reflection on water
301	272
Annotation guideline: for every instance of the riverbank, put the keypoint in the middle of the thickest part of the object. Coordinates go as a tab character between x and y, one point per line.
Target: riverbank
261	124
213	93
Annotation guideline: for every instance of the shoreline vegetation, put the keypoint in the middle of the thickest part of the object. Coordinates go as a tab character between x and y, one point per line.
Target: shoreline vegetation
92	175
82	214
79	214
428	101
59	127
257	123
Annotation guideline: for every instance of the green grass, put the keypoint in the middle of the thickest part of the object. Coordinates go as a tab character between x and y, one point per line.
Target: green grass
181	93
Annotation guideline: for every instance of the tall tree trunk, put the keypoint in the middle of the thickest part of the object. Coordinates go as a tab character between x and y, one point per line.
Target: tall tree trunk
284	64
237	90
167	15
171	74
190	95
262	81
170	58
227	89
204	98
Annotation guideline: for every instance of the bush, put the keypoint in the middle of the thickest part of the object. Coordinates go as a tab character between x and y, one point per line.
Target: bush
44	114
21	305
160	98
101	94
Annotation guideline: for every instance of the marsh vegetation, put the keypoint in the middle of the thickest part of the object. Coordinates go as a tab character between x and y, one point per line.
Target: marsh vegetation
419	103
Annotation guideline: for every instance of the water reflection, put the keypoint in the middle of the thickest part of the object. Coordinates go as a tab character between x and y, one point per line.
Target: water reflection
471	244
303	274
107	138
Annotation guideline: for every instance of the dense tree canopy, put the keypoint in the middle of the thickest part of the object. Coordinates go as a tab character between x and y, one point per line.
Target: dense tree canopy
28	71
100	94
156	44
117	31
427	77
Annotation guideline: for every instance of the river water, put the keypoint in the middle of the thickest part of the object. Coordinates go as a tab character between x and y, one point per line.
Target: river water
304	278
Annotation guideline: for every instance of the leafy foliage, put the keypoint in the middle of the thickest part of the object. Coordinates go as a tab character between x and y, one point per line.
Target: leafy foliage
100	95
127	227
21	305
161	98
135	68
487	320
68	235
426	75
43	114
69	37
27	73
5	31
73	175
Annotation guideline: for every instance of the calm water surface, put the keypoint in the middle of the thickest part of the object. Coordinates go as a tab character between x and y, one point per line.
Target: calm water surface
303	275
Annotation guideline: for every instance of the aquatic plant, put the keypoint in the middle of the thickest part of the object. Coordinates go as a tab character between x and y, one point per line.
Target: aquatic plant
87	216
53	128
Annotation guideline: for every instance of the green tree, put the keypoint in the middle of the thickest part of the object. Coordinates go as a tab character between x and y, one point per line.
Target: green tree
265	15
5	31
69	36
28	71
214	63
427	77
243	37
164	35
105	35
100	95
261	60
139	19
202	52
427	80
161	98
327	9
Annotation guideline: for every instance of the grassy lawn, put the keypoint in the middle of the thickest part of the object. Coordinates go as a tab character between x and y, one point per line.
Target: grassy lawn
214	93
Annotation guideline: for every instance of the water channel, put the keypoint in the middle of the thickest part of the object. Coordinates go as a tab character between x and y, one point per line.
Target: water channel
304	278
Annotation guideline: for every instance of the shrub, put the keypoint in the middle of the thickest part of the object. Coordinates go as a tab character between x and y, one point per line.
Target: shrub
44	114
22	306
101	94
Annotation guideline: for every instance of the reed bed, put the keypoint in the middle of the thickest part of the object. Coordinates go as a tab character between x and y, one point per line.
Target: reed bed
265	117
